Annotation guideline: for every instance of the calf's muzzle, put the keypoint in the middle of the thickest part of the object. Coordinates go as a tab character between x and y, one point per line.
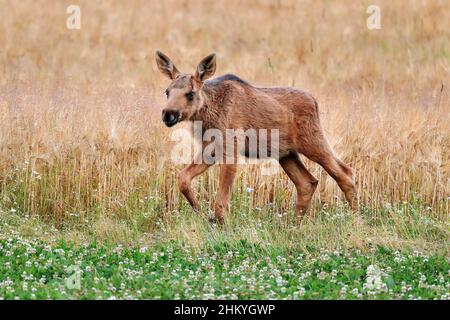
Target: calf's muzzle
170	117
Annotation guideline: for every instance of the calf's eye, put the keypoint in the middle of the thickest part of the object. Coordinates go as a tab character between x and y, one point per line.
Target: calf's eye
167	93
190	95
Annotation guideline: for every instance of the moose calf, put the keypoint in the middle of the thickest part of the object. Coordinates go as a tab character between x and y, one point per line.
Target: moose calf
228	102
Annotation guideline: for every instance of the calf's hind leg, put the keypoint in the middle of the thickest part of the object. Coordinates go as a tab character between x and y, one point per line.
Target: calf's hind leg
339	171
304	182
343	175
227	174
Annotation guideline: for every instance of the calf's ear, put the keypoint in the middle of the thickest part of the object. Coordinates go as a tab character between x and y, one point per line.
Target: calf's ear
206	68
166	66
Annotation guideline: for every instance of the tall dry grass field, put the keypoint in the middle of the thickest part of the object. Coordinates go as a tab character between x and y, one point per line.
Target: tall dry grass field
81	140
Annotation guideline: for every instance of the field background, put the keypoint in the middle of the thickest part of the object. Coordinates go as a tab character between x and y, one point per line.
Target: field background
84	156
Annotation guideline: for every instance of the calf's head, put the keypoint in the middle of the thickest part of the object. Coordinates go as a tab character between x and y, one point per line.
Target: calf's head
183	94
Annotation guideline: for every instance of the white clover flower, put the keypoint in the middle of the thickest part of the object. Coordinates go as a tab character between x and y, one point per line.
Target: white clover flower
301	291
143	249
374	282
344	290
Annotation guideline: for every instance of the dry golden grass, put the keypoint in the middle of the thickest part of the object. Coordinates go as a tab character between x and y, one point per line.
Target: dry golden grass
81	136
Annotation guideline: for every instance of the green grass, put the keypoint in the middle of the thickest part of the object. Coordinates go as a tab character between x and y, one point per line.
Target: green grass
35	269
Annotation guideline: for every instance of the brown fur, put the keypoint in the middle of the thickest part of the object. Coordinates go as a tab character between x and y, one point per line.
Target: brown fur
228	102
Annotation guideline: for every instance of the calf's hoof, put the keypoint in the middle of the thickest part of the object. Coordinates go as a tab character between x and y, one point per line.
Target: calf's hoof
216	221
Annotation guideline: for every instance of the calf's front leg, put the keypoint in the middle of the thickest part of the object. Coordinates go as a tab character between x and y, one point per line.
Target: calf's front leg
185	178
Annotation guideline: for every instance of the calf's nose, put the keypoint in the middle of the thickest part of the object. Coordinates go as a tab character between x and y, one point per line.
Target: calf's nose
170	117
